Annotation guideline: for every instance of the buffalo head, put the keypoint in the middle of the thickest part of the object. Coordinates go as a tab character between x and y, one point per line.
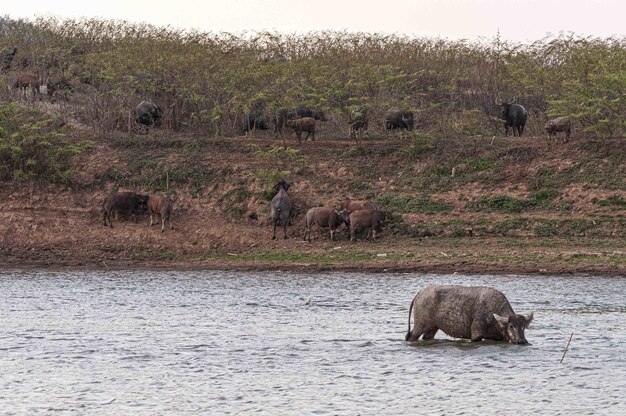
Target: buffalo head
282	184
512	327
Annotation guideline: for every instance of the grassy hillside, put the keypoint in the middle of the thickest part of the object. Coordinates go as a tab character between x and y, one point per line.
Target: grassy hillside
463	197
205	82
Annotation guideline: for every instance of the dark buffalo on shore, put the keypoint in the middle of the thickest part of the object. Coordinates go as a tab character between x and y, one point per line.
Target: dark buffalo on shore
283	115
474	313
6	57
398	119
281	208
148	114
324	217
359	123
514	116
559	124
255	119
59	87
123	202
160	206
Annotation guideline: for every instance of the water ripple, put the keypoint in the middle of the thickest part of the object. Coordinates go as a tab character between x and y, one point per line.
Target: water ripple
282	343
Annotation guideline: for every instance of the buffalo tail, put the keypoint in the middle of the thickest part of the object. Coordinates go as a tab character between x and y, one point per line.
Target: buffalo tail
408	334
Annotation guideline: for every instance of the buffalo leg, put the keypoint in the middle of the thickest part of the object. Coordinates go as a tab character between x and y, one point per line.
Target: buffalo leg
430	333
162	223
285	230
274	234
418	329
476	332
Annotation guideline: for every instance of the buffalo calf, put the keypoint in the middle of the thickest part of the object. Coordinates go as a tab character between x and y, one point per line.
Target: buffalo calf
355	205
306	124
560	124
160	206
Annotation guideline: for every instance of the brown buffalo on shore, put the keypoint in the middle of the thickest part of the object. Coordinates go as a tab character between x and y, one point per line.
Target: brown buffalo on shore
367	218
160	206
306	124
26	81
127	202
355	205
325	217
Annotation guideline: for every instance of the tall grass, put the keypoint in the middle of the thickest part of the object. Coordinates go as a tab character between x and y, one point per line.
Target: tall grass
205	82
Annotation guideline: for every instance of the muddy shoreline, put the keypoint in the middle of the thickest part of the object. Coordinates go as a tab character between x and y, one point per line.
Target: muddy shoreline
19	263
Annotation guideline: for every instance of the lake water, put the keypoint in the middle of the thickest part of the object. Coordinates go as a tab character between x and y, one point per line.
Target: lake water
151	343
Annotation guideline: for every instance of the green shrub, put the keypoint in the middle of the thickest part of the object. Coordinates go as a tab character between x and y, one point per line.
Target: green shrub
408	204
500	203
616	201
33	146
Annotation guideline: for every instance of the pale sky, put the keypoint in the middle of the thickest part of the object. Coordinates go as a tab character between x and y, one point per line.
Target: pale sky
517	20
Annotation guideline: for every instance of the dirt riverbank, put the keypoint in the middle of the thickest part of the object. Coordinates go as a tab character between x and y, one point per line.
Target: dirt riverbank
221	211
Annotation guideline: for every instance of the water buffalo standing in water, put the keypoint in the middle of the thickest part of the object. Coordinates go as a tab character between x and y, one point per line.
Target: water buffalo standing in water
474	313
514	116
397	119
281	208
558	124
148	114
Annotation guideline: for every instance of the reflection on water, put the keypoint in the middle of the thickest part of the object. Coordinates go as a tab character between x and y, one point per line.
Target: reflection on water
283	343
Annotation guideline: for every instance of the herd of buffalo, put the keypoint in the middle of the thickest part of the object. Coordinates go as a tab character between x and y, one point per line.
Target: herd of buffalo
299	120
356	215
303	120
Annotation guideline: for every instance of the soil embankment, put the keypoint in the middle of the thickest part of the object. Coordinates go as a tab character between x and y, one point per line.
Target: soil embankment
503	205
